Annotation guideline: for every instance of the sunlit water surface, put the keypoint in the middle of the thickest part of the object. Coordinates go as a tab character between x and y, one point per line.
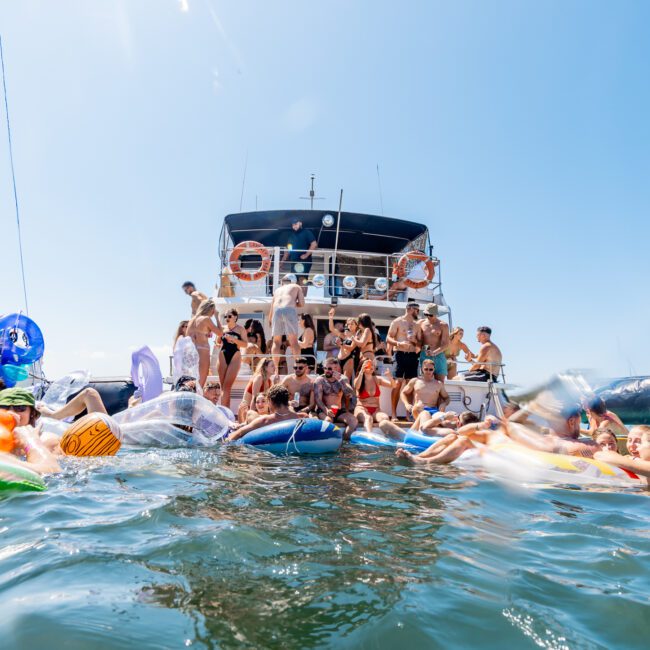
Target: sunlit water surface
236	548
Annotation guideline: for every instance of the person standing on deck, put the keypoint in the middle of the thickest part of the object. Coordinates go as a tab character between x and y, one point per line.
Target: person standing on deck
283	317
197	296
300	245
488	361
405	337
435	339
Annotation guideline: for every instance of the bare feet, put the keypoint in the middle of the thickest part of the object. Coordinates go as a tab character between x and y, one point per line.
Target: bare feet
403	454
45	411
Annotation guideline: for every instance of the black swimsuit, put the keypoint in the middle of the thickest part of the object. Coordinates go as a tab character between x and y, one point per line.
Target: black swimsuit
229	349
355	355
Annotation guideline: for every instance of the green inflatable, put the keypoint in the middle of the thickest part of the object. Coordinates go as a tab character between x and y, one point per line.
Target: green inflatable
19	479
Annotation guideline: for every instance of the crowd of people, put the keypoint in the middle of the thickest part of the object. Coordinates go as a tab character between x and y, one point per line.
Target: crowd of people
417	356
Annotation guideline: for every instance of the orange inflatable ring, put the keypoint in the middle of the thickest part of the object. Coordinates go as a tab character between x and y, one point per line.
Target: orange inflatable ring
250	247
417	256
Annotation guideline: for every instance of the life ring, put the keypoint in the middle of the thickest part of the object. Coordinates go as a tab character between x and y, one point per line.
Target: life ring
418	256
250	247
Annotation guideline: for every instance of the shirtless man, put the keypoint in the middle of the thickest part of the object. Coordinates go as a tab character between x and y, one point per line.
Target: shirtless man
330	391
422	397
332	342
405	338
488	361
300	384
280	411
197	296
283	316
435	339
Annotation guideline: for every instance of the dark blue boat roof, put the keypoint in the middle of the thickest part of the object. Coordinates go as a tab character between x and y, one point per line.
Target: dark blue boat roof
358	232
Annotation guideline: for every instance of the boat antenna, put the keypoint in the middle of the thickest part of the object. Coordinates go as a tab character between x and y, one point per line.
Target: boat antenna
336	240
243	181
381	198
312	195
13	178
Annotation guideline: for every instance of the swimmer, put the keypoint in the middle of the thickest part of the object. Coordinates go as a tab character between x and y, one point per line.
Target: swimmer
29	443
605	439
599	416
638	446
261	408
233	341
278	405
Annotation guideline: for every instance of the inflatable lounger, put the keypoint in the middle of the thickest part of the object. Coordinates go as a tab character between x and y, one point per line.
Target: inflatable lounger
300	436
19	479
413	440
531	466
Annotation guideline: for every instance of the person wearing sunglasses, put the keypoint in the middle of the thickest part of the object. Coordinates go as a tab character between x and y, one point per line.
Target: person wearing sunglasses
25	439
300	387
422	397
435	339
405	337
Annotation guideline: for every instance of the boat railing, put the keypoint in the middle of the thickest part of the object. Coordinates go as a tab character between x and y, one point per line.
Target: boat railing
327	274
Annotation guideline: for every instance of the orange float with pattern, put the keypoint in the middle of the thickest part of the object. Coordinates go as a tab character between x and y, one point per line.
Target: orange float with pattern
95	434
416	256
250	247
7	425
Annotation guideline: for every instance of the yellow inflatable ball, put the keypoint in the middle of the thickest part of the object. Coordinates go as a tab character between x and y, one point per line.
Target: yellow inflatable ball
95	434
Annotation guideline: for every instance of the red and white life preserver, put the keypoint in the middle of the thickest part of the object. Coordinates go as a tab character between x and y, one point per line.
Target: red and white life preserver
418	256
250	247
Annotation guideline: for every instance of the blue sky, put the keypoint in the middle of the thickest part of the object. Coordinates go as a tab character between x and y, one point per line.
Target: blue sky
517	131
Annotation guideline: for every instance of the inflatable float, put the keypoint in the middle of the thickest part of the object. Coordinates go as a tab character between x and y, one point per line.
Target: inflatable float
524	465
414	440
19	479
303	436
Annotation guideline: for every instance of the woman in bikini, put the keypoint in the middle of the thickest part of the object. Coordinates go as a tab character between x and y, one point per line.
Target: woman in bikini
233	339
365	337
260	382
307	340
453	350
349	352
261	408
368	387
200	329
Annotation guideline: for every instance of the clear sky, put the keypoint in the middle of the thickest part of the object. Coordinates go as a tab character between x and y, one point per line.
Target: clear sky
518	131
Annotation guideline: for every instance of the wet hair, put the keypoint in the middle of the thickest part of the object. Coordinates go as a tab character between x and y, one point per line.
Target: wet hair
467	417
308	320
484	329
278	396
188	284
598	406
182	380
206	307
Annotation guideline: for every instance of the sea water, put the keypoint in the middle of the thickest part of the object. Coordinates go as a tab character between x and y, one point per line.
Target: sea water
236	548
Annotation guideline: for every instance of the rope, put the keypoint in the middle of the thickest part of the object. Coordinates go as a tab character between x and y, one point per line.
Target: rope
13	177
292	437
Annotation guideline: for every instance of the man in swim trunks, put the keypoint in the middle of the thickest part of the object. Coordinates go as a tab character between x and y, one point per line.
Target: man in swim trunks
335	398
197	296
405	337
300	244
283	316
435	339
300	384
429	397
280	411
488	361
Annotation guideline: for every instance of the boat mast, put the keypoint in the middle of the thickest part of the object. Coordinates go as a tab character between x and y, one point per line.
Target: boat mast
312	195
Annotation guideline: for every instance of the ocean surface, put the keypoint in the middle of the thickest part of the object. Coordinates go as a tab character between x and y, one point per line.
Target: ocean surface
235	548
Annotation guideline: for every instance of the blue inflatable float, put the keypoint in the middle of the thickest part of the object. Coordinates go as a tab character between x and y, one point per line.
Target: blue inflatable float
305	436
413	439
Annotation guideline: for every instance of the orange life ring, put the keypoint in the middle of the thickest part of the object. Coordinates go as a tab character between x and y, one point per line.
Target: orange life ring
250	247
419	256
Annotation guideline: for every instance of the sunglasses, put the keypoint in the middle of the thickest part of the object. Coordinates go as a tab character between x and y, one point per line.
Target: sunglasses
16	408
299	367
428	369
229	316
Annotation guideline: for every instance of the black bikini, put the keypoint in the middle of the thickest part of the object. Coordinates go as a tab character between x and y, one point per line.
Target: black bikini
229	349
